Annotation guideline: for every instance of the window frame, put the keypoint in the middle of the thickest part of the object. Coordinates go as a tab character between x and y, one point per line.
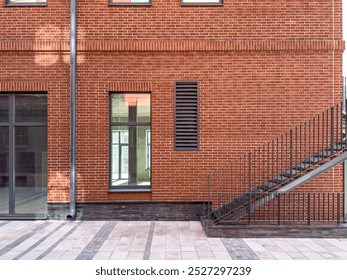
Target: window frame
129	188
9	3
219	3
111	3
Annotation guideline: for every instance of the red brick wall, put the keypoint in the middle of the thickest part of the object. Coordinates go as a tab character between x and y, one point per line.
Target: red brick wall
262	67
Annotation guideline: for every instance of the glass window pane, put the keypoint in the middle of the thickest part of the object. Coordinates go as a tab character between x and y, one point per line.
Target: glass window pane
31	108
4	171
31	170
4	108
130	160
130	108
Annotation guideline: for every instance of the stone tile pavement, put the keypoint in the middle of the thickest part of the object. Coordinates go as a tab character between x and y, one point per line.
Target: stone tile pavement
135	240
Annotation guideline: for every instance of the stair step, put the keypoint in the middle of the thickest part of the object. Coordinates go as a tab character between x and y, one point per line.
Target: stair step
312	160
288	175
300	167
324	154
267	186
278	179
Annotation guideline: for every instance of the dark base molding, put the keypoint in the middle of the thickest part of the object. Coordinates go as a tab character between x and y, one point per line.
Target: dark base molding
131	211
273	231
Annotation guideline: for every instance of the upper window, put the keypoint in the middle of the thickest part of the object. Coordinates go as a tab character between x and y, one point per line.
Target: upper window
202	2
130	2
26	2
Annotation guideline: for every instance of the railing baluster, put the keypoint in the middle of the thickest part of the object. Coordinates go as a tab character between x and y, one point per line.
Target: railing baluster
318	145
338	207
277	157
333	218
314	206
327	133
309	143
296	146
250	185
337	126
300	145
328	206
209	197
332	131
305	145
303	206
308	208
264	164
289	207
298	206
314	139
273	159
319	206
291	152
268	161
324	207
279	208
286	167
281	153
285	207
323	122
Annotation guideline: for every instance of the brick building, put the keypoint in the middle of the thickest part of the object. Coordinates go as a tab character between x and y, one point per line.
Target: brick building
167	91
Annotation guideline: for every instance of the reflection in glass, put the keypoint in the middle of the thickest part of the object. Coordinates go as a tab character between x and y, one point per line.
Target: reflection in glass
3	108
31	108
130	108
4	171
130	155
31	170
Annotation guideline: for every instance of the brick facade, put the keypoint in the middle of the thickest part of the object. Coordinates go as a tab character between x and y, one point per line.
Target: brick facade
262	67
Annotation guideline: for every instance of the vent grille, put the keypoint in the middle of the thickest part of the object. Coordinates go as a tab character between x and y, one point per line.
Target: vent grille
186	116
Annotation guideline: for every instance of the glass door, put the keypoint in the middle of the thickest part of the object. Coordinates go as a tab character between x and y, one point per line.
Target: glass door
23	155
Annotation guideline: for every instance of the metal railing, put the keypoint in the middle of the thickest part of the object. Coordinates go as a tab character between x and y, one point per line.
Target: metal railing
269	167
292	208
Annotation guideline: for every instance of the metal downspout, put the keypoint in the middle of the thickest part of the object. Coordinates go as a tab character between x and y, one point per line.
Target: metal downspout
73	60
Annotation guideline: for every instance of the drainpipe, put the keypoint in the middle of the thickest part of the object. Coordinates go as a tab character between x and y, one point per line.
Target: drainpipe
73	60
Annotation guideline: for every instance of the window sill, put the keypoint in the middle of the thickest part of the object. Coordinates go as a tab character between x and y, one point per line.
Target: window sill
129	190
130	4
26	5
202	4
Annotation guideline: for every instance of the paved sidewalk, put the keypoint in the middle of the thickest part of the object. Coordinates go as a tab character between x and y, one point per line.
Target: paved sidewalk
131	240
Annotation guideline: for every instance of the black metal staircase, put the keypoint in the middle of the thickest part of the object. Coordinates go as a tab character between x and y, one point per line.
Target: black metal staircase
278	167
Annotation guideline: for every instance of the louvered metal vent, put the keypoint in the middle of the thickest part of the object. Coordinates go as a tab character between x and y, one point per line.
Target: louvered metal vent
186	116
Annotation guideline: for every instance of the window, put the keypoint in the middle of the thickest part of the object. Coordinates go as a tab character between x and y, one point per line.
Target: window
202	2
26	2
130	143
130	2
186	116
